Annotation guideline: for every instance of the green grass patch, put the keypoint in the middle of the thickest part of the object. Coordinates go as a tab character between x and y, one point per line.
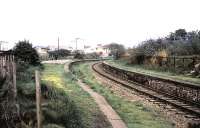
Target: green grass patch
88	111
134	114
64	103
157	72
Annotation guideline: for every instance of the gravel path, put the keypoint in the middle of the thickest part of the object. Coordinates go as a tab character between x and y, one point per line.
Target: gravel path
56	61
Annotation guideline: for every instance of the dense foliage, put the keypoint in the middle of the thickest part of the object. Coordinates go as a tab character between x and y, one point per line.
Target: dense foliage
78	55
117	50
178	51
178	43
24	51
59	110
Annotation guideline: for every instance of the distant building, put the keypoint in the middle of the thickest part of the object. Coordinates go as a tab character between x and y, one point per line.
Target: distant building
42	51
102	50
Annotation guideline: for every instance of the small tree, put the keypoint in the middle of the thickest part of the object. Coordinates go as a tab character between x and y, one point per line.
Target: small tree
24	51
117	50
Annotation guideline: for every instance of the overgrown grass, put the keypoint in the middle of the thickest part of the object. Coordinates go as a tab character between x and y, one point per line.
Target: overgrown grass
26	95
58	109
87	110
157	72
134	114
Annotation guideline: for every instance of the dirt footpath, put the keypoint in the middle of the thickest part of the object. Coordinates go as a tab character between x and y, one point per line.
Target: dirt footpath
108	111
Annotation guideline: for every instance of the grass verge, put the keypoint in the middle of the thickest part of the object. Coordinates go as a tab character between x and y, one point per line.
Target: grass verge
89	113
134	114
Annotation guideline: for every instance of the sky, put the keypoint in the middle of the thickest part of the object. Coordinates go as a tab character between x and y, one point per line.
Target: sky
127	22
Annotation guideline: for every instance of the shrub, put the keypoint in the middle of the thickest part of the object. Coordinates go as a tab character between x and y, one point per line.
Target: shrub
59	53
137	57
24	51
78	55
91	56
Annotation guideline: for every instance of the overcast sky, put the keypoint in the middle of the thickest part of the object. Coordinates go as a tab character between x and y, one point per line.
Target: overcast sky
95	21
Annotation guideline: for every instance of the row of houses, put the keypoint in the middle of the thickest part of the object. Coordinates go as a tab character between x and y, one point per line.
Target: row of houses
101	50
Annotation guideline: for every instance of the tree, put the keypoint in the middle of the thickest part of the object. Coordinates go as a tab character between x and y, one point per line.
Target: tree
117	50
180	33
78	55
171	36
24	51
177	35
195	44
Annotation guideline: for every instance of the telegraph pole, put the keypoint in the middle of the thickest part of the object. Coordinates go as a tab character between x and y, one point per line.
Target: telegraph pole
58	44
76	40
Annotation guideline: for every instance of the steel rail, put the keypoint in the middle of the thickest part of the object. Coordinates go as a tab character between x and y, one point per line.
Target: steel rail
145	91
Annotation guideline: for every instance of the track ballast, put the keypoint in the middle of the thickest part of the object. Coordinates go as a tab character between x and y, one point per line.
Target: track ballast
188	110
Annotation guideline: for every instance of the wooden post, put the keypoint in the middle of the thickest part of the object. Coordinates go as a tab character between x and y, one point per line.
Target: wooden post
14	80
38	99
174	62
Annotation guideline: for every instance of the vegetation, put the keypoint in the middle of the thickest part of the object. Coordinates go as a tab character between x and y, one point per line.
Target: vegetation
78	55
24	51
91	56
60	109
81	111
179	43
59	53
1	81
64	104
133	113
183	46
26	95
117	50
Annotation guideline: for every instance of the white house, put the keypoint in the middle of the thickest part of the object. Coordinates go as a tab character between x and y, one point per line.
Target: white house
102	50
42	51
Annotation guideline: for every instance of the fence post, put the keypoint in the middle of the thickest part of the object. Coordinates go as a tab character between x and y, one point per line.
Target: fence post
14	80
183	62
38	98
174	62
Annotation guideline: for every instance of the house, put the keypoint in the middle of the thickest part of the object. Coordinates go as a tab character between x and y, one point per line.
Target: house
101	50
42	51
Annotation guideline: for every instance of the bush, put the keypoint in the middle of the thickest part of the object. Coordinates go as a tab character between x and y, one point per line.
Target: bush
137	56
59	53
78	55
91	56
24	51
60	109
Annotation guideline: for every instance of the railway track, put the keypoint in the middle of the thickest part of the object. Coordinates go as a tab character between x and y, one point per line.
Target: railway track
189	111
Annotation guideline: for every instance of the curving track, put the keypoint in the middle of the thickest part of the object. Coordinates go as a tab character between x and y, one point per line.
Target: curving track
188	110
